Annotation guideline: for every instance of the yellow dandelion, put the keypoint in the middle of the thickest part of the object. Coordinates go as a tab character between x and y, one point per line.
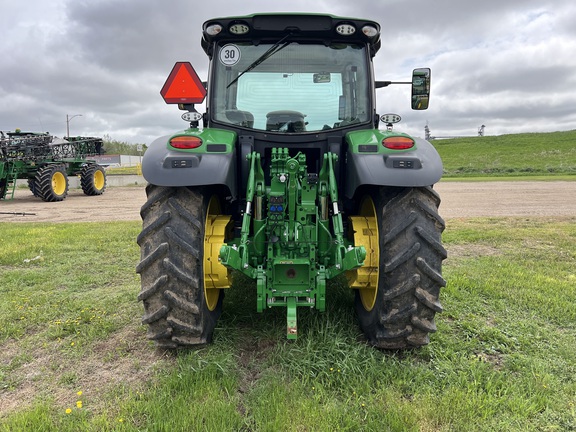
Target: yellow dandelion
71	343
68	410
79	393
120	420
78	404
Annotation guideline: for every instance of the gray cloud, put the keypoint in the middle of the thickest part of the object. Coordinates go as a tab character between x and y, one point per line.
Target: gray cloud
508	65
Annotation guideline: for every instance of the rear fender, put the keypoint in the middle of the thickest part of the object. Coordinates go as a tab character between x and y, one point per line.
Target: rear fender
213	163
368	162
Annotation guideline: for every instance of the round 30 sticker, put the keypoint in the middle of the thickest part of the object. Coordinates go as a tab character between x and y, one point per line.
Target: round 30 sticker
229	55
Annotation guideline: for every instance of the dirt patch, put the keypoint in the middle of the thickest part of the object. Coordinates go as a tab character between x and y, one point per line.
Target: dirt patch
496	360
521	198
115	204
45	372
459	200
472	250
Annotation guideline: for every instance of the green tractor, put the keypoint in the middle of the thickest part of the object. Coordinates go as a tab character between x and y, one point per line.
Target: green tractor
287	179
46	163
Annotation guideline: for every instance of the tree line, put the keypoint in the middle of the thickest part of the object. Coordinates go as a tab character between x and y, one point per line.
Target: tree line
112	146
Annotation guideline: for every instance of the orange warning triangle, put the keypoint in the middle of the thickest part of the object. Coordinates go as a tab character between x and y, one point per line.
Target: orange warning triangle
183	86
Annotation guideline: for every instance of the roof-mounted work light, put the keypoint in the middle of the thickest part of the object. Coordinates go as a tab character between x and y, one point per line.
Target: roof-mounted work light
239	29
369	31
213	29
345	29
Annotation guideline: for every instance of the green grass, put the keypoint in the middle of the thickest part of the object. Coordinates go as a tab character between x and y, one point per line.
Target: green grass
502	359
530	154
516	178
135	170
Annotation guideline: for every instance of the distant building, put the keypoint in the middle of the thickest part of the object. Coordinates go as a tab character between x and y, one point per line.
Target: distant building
117	160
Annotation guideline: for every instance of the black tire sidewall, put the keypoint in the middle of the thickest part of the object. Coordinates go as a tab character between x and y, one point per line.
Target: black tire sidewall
88	179
174	220
408	290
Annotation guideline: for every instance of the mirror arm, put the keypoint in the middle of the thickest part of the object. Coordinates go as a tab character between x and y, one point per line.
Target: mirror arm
380	84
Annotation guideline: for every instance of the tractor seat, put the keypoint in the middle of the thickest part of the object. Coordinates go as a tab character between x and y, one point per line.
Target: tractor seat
285	121
241	118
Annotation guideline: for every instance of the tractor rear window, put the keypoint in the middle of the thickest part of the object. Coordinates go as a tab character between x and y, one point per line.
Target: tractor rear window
290	87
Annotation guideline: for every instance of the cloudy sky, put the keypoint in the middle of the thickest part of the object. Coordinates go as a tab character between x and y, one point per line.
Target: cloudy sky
507	64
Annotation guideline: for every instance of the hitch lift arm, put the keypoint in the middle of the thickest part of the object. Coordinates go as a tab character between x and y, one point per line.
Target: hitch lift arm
288	242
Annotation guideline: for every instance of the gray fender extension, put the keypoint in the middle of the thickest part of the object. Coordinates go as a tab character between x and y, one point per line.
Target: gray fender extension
417	168
164	167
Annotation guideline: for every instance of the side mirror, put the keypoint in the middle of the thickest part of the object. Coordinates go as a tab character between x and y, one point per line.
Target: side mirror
421	88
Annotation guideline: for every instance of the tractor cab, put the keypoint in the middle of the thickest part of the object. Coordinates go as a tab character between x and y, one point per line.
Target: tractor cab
290	88
293	73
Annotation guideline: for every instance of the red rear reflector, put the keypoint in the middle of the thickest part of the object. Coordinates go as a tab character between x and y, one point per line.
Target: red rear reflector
183	86
185	142
398	143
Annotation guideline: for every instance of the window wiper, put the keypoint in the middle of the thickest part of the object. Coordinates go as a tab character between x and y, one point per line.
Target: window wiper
278	46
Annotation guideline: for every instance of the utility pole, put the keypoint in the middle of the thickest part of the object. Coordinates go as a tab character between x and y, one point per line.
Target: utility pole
68	118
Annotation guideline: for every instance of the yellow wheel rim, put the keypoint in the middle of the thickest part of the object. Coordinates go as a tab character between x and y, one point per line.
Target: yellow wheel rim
215	274
365	233
99	180
58	183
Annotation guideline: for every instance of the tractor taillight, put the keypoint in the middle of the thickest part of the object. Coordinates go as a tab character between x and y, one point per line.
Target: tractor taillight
398	143
185	142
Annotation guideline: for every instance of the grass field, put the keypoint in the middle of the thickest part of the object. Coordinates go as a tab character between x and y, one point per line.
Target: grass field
533	154
74	356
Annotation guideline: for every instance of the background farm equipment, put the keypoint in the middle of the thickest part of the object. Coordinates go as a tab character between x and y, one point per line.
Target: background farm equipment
47	162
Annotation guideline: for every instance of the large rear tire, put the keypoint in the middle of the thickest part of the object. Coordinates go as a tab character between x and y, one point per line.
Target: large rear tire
32	187
179	309
398	310
51	183
3	188
93	179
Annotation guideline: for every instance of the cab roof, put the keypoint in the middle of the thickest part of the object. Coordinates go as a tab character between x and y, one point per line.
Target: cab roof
302	27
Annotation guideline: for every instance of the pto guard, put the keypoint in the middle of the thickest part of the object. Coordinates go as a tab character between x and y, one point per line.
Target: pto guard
418	167
213	163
